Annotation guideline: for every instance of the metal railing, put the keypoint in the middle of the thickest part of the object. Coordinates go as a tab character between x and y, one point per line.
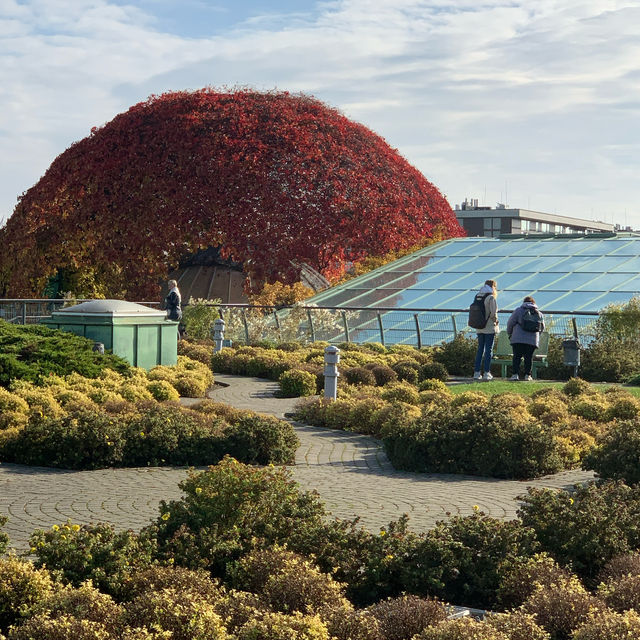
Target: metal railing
30	311
387	326
306	323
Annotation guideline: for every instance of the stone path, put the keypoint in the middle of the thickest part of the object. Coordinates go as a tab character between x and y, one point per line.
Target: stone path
350	472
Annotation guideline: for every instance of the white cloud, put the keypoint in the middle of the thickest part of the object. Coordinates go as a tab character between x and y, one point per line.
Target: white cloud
473	92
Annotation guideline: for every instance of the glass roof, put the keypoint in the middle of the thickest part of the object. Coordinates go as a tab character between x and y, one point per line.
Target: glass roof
563	274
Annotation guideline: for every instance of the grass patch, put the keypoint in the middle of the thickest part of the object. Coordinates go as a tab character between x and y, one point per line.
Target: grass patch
525	388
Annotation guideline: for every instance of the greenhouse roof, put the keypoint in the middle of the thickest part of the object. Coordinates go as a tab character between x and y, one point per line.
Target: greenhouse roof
564	273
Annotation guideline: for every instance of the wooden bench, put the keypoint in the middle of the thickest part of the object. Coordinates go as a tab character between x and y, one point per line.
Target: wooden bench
503	353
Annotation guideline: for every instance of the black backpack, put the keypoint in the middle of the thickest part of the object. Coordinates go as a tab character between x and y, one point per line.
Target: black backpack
477	316
532	321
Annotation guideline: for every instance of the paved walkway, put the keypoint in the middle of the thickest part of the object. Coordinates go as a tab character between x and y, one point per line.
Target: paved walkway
351	473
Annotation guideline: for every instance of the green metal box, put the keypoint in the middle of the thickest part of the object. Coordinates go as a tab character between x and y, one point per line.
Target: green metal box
137	333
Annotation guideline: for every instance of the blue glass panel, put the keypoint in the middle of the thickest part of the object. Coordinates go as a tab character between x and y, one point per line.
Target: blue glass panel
390	279
622	247
417	263
512	279
514	263
600	265
590	247
578	301
631	284
605	282
611	297
476	247
456	246
573	263
529	281
631	265
554	264
454	263
511	299
470	282
568	281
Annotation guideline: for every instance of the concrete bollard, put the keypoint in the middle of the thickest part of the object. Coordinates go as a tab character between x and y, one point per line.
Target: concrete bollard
331	374
218	335
98	347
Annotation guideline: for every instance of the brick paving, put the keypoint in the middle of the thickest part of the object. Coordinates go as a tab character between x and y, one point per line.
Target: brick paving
350	472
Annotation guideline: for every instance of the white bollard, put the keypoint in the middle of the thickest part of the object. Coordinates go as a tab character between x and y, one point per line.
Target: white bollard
331	374
218	335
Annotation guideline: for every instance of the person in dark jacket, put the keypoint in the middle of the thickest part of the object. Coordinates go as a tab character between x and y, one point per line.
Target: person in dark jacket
173	302
524	342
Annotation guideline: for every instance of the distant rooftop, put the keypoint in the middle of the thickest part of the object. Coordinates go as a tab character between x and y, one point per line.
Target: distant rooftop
484	221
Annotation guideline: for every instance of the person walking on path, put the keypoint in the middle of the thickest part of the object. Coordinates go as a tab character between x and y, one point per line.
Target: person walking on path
487	333
524	328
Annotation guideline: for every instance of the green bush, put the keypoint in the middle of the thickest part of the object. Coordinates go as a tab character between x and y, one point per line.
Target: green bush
231	509
383	374
609	360
407	371
163	391
186	615
517	626
433	371
82	440
521	576
287	582
488	440
403	617
461	629
261	439
359	376
4	538
622	593
561	609
401	392
157	577
470	552
22	587
616	454
202	350
280	626
92	552
587	528
198	317
295	383
608	625
64	627
458	355
84	602
35	352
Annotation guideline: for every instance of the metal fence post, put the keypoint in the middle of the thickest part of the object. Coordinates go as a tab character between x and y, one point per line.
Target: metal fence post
331	374
218	335
275	316
313	331
381	329
455	326
246	325
24	313
575	328
346	326
415	317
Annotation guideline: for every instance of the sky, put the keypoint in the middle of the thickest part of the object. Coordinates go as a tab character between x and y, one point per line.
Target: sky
534	104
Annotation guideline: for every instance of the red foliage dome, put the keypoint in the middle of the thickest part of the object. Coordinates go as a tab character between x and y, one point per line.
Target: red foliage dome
272	178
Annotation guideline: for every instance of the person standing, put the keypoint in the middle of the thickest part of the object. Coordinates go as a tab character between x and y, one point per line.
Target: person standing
173	303
524	328
487	333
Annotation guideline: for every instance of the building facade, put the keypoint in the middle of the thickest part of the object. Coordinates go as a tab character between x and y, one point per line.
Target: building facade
490	223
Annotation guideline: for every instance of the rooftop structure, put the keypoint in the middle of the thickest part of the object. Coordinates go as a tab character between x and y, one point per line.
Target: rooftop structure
485	221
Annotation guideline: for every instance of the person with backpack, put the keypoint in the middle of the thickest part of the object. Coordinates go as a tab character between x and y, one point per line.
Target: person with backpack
483	317
524	328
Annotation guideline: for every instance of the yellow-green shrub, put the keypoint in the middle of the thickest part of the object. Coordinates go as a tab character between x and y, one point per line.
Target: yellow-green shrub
280	626
162	391
609	625
401	392
14	410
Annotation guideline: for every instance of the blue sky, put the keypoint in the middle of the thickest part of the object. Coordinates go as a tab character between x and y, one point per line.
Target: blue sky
533	103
